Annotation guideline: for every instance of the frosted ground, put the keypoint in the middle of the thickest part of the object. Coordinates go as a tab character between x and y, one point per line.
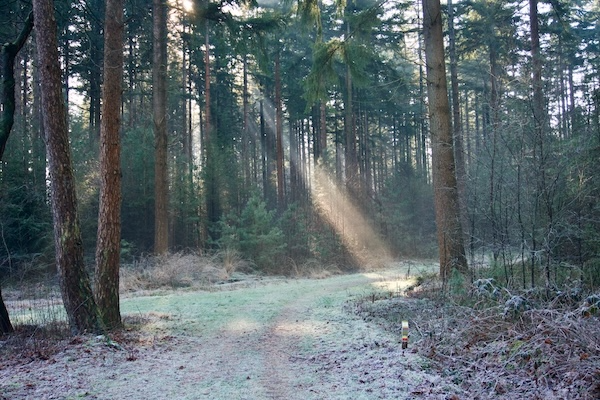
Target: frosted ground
273	339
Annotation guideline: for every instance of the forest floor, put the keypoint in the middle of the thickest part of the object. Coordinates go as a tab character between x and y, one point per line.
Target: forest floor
331	338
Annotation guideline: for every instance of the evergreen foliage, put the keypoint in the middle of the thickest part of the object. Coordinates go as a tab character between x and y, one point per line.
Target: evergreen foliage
255	235
530	204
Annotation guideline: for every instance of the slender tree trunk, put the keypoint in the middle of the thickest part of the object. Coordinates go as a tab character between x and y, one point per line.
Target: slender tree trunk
572	113
322	130
108	246
75	285
539	118
447	210
207	118
420	136
159	98
66	62
246	158
263	151
279	136
459	151
7	60
132	81
295	160
350	133
95	70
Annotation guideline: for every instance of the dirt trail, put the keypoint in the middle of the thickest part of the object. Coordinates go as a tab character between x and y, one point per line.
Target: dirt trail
283	337
284	340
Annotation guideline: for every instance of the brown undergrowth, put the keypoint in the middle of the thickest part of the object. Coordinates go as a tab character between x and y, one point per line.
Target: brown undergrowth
29	343
501	346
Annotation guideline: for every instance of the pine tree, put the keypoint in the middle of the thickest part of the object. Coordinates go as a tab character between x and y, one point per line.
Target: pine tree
447	210
75	286
159	99
108	247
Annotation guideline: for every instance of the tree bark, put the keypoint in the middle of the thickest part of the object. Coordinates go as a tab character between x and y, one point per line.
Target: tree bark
447	211
207	119
350	132
539	121
459	148
7	118
279	136
75	286
320	154
7	61
159	98
108	246
95	70
5	325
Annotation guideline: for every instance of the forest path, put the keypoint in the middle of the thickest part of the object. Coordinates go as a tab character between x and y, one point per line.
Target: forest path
287	339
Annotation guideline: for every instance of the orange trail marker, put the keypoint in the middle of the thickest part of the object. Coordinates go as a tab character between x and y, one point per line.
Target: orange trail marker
404	334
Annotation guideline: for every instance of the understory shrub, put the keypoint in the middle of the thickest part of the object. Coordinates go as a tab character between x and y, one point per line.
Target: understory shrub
180	270
255	234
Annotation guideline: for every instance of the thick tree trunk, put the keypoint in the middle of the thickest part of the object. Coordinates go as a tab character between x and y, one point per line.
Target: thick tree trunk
449	232
108	246
74	283
159	98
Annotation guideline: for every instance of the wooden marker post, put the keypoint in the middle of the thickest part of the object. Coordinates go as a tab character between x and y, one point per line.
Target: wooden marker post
404	334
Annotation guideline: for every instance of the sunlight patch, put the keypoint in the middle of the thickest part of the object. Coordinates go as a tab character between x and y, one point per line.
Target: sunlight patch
298	328
242	325
395	286
358	235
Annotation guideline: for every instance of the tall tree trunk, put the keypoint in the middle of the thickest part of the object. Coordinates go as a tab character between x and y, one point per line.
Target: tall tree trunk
350	133
295	160
459	150
95	70
279	135
322	130
263	150
132	80
108	246
447	211
539	120
7	61
246	139
159	100
74	283
213	201
494	105
420	139
8	54
207	118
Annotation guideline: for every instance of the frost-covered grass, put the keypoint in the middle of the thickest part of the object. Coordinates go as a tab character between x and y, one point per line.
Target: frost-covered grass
267	339
204	312
546	345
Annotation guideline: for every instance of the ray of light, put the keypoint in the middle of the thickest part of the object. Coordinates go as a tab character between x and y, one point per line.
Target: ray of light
357	233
